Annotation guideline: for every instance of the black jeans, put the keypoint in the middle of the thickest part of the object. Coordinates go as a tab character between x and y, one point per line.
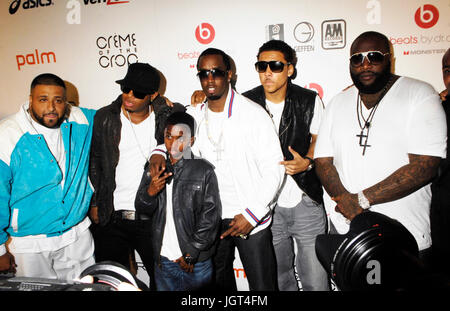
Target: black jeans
119	237
257	256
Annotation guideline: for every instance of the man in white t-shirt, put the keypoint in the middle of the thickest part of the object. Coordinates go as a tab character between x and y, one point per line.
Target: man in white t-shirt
124	134
380	143
299	214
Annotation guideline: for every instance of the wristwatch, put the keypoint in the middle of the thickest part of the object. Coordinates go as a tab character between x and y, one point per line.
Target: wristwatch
311	163
363	201
189	259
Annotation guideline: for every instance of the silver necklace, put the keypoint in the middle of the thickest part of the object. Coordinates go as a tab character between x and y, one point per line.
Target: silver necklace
146	158
217	145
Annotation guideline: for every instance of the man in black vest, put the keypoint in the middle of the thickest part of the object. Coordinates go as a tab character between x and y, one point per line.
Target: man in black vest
299	213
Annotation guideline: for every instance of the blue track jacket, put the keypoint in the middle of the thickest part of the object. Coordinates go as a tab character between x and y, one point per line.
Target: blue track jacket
32	201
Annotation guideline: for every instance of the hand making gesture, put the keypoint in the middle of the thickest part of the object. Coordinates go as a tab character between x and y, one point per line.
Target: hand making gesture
158	182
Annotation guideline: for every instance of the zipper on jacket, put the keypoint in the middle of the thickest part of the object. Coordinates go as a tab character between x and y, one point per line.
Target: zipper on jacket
285	129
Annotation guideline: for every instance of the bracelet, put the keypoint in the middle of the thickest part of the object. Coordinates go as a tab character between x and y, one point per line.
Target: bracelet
311	163
363	201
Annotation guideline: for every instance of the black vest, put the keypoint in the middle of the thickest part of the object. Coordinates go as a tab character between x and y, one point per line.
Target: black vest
294	131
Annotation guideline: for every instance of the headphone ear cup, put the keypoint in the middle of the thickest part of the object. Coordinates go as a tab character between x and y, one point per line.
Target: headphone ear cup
110	273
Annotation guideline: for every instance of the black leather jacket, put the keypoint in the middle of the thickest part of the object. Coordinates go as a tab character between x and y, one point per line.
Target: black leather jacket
105	151
294	131
196	204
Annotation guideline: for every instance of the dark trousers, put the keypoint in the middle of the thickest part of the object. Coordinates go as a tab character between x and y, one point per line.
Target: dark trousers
257	257
120	238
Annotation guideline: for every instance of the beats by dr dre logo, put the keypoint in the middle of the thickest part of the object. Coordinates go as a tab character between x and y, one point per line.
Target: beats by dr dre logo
426	16
205	33
315	87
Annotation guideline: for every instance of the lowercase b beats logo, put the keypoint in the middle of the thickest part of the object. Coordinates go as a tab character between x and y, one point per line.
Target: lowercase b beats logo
205	33
426	16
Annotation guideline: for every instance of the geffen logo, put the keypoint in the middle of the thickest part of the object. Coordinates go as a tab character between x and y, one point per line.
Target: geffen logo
304	33
334	34
117	50
275	32
35	58
426	16
205	33
28	4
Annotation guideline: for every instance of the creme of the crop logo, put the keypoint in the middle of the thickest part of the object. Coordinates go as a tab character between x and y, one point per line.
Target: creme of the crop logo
205	33
426	16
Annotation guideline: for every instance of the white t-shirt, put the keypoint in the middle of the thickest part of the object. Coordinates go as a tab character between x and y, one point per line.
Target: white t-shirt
170	246
291	194
220	160
133	156
409	120
53	138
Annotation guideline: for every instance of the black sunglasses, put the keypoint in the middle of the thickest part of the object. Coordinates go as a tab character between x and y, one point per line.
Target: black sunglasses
275	66
215	73
374	57
137	94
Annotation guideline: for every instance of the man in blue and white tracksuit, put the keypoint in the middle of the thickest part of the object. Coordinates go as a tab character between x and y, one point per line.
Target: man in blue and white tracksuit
44	186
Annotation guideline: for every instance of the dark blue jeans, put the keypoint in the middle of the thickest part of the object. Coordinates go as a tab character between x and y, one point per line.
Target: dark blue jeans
170	277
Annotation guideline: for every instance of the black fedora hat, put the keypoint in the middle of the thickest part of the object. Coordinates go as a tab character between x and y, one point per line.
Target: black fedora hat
141	77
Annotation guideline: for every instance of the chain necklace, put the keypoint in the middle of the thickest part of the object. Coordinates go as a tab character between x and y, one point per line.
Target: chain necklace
366	125
146	158
217	144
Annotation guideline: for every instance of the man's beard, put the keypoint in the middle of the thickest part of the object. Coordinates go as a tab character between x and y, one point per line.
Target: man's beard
59	121
381	80
213	97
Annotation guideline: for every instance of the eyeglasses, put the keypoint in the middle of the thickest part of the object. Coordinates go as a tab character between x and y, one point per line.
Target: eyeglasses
275	66
137	94
374	57
215	73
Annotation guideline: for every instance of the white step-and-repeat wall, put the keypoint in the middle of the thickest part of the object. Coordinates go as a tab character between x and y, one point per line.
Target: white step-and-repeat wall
89	43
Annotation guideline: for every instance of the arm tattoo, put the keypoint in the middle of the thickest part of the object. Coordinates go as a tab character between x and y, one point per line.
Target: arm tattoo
329	177
404	181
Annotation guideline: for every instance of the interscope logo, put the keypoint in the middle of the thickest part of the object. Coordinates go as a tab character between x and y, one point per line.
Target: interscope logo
426	16
28	4
205	33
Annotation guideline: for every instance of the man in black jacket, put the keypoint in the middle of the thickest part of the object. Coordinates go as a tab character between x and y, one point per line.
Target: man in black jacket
185	209
299	213
124	134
